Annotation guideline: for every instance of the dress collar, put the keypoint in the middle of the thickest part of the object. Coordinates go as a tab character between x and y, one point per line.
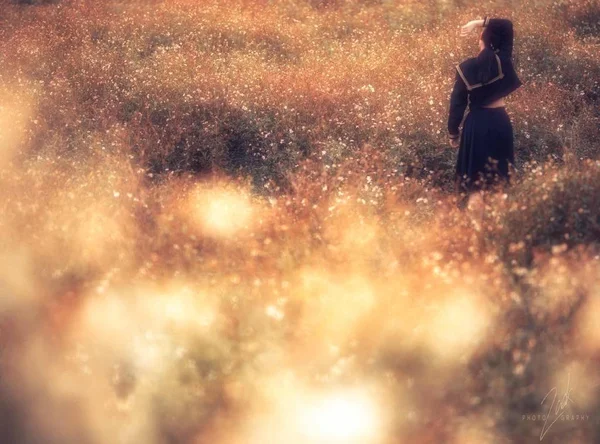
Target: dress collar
469	68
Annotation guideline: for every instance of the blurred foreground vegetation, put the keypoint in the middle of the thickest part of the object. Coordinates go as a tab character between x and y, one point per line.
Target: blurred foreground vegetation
234	222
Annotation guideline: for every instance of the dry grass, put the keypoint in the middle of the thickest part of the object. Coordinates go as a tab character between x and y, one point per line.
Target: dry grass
233	223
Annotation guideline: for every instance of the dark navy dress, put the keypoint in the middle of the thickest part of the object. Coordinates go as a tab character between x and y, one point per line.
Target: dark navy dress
486	142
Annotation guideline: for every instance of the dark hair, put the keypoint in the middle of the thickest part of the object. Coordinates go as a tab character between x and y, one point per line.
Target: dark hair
493	38
486	61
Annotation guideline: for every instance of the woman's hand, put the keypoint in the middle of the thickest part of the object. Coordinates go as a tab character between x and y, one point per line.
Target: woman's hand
454	143
465	30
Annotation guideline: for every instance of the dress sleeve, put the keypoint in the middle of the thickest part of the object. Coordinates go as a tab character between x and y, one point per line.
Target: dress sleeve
503	27
458	104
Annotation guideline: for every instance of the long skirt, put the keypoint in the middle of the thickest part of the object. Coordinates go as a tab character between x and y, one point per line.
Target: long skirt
486	150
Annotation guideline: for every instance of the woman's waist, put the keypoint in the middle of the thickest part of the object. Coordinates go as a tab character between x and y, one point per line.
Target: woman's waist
493	105
489	103
498	103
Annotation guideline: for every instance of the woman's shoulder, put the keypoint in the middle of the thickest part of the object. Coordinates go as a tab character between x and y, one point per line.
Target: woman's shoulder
467	63
467	67
470	72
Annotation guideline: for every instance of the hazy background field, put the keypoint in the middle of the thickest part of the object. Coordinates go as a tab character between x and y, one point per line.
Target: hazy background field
233	222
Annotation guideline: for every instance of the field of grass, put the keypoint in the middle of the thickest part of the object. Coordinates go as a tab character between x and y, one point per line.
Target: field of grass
234	222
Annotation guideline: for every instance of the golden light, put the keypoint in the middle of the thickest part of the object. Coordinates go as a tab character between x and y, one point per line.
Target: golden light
147	295
17	279
588	327
337	302
184	307
296	413
16	109
475	430
99	233
457	325
359	235
144	323
351	229
345	417
222	212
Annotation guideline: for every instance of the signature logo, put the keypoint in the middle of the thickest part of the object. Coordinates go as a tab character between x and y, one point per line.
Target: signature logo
559	408
556	409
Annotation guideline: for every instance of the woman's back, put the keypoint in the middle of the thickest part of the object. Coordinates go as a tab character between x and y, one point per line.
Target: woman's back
489	76
503	82
486	142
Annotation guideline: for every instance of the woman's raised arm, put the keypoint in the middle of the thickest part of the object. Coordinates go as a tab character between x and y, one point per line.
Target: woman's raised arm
504	28
501	27
473	24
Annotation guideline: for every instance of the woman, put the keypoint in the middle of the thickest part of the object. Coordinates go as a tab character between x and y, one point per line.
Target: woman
486	143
